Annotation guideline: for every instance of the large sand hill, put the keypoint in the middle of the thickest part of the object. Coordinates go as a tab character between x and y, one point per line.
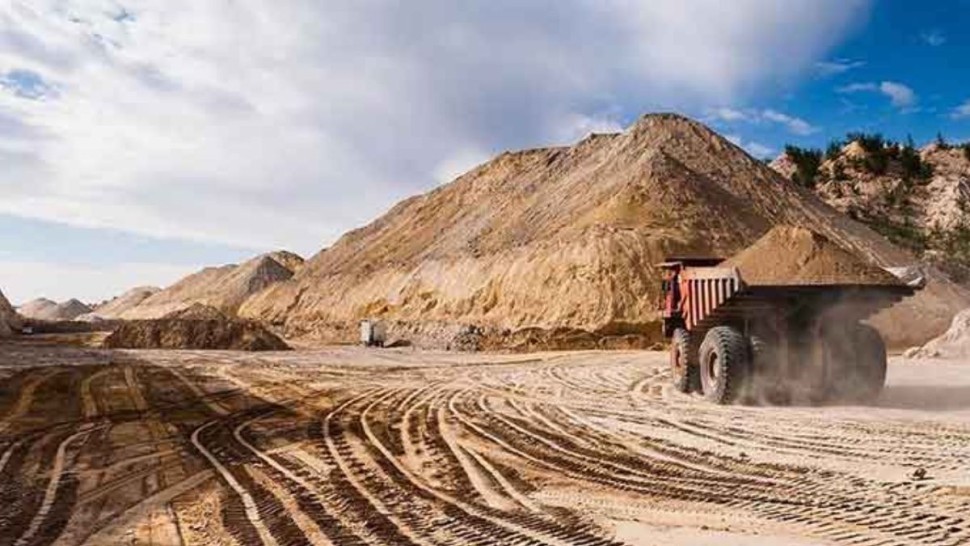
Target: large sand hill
567	238
224	288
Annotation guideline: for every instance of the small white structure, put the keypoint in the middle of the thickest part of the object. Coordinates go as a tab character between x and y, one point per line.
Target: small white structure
373	333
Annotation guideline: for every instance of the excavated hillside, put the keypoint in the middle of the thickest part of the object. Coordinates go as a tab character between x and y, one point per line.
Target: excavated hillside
9	321
565	239
925	208
224	288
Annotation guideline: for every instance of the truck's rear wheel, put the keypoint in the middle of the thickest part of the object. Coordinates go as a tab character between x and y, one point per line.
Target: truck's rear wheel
856	360
683	368
724	363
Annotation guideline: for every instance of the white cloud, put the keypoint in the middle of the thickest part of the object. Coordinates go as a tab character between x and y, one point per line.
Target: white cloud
962	111
858	87
757	150
837	66
933	37
286	123
900	95
26	280
794	124
729	114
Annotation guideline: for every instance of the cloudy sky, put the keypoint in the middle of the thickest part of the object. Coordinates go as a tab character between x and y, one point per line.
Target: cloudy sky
142	139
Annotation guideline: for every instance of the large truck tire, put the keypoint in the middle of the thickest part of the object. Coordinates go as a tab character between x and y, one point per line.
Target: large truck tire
869	375
683	365
724	364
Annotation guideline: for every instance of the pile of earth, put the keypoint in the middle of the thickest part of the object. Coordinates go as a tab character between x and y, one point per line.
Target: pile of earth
953	344
567	239
116	307
225	288
9	321
45	309
789	255
198	327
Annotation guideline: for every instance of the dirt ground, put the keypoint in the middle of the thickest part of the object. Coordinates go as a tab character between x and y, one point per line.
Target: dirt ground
354	446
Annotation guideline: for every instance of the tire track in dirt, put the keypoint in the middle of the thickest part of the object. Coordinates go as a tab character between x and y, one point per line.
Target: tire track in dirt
51	495
26	397
249	504
782	511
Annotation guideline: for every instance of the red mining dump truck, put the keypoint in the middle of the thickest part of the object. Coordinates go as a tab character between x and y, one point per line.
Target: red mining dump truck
737	341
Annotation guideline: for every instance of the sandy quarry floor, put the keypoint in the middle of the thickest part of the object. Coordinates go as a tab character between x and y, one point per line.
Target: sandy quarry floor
348	446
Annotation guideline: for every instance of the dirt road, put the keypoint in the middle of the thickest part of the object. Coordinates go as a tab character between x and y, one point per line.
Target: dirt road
347	446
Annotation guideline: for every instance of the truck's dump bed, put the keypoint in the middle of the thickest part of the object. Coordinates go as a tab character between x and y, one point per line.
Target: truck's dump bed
788	267
707	298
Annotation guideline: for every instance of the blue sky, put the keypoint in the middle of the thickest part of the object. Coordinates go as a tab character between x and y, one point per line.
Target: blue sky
920	52
143	140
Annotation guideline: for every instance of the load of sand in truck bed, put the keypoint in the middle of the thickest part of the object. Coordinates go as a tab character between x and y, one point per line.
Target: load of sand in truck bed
199	327
789	255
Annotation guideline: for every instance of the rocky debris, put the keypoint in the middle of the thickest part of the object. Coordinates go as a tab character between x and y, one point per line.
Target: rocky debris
289	260
789	255
45	309
9	321
469	339
784	166
953	344
225	288
568	238
195	333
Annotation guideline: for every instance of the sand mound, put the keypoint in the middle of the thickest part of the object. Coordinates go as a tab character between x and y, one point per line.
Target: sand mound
118	306
37	308
45	309
9	321
198	334
224	288
794	255
568	238
954	343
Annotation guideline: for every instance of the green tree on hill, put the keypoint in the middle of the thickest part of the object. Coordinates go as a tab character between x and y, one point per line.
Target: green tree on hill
807	162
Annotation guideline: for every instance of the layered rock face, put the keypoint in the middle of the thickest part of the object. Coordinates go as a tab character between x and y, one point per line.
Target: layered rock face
566	239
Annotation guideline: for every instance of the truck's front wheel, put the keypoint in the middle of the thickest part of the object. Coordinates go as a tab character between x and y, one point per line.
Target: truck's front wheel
723	364
683	368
